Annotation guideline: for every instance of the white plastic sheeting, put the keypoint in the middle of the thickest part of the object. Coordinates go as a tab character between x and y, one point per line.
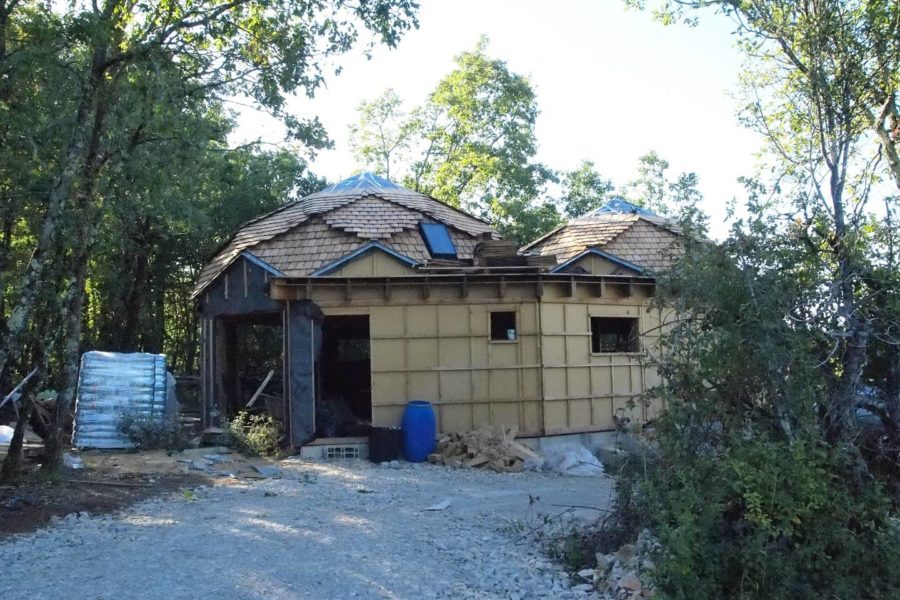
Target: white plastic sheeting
570	459
112	383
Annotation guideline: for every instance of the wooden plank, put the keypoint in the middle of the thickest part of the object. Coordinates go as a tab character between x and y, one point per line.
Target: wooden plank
261	387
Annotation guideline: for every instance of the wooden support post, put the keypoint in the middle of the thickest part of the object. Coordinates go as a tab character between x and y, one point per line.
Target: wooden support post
629	290
501	292
387	290
539	288
426	290
348	290
246	286
600	290
573	286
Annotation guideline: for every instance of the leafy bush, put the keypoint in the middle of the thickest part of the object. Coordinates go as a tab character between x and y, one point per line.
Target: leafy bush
149	433
765	519
255	435
752	491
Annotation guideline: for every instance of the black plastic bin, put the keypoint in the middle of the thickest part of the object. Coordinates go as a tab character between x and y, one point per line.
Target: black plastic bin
385	443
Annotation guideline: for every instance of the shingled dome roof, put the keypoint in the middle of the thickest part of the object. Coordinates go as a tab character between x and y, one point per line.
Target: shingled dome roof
620	228
308	234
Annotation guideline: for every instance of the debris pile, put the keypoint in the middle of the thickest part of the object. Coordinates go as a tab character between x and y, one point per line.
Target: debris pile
625	574
488	447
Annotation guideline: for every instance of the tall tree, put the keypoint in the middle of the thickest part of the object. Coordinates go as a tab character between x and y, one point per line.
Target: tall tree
821	87
114	77
471	144
584	190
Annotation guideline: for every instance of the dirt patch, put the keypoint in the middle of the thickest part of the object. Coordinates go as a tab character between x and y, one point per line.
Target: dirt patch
32	503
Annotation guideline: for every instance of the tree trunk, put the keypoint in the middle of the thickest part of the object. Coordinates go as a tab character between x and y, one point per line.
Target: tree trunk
13	459
34	279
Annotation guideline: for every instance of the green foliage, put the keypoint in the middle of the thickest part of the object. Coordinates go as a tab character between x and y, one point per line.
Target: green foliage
255	435
744	491
148	433
471	144
584	190
760	518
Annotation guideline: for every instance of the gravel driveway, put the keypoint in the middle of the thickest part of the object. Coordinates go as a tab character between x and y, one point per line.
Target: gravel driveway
330	531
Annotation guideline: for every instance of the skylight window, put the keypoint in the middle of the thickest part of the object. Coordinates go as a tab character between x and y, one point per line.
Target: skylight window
437	239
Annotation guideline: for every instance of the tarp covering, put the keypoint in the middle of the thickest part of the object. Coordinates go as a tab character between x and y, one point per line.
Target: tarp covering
113	383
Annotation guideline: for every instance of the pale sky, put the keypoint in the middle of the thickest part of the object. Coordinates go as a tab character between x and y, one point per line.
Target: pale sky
611	84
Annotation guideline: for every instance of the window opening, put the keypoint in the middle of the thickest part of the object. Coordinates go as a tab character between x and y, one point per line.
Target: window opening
614	334
503	326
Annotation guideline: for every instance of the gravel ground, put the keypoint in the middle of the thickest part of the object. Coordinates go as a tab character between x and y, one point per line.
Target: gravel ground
330	531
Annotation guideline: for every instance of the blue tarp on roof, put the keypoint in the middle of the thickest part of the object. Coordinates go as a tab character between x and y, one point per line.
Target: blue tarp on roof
620	205
363	181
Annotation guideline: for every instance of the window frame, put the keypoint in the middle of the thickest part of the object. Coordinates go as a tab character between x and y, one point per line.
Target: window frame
637	337
506	340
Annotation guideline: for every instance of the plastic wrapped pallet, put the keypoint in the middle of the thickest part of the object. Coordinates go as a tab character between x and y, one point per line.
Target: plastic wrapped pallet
113	383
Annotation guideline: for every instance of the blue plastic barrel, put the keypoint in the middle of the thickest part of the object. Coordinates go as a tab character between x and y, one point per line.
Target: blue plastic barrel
419	429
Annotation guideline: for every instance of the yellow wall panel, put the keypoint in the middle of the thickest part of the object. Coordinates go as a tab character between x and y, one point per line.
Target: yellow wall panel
504	384
481	391
387	416
454	319
576	318
556	415
421	321
422	386
503	354
579	382
506	414
388	354
387	388
386	321
481	414
531	384
422	353
603	413
374	264
532	417
621	380
554	350
456	417
579	413
456	386
454	352
552	319
555	383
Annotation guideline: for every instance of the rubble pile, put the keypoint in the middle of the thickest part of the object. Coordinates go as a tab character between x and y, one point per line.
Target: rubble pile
625	574
488	447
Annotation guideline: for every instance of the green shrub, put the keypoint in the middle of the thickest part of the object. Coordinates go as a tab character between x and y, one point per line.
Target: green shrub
255	435
764	519
149	433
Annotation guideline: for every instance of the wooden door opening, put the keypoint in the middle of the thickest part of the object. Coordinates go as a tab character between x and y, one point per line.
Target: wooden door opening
252	355
344	406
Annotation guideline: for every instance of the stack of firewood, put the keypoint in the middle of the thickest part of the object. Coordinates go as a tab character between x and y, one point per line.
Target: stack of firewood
488	447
